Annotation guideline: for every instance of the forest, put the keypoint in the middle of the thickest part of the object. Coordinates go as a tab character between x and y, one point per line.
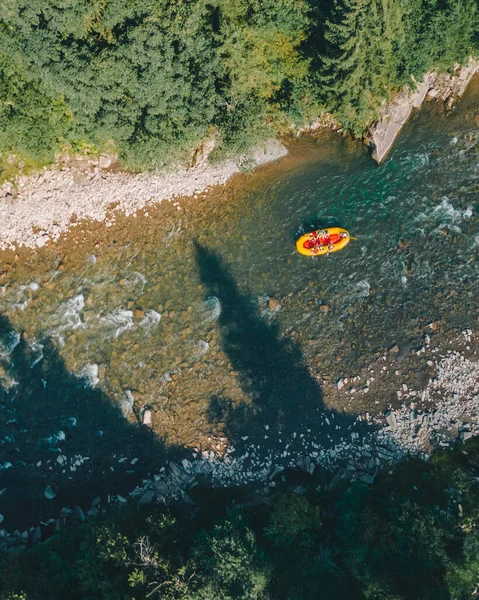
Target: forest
151	79
413	534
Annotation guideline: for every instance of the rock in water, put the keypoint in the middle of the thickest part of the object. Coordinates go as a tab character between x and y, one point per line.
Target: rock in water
147	417
273	304
49	493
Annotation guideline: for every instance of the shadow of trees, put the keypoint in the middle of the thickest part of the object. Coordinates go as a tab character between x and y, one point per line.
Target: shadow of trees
48	416
285	397
56	430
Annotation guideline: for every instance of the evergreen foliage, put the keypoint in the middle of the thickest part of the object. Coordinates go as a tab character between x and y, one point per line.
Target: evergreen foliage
150	79
410	536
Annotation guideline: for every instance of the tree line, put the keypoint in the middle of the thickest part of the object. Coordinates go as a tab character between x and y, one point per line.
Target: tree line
413	534
151	79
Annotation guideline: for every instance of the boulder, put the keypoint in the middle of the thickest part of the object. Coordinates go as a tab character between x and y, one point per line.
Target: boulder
36	535
104	162
391	419
273	304
49	493
147	497
147	417
183	479
162	488
79	514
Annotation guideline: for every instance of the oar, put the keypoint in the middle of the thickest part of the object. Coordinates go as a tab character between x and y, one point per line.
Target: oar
353	238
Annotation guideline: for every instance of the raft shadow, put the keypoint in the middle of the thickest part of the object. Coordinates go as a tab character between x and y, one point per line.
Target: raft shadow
284	397
49	412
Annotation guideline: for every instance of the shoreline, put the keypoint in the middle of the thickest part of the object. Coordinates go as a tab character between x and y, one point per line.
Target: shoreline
42	207
441	415
39	208
445	88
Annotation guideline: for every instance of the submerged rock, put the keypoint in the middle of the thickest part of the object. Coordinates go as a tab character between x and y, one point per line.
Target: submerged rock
49	493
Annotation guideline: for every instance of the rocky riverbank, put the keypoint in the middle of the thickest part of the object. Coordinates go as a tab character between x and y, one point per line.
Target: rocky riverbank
39	208
446	88
441	414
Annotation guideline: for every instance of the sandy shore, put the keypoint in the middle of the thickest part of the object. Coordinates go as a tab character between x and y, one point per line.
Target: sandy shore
41	207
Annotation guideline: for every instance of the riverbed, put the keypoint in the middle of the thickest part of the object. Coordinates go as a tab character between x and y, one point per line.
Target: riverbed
201	311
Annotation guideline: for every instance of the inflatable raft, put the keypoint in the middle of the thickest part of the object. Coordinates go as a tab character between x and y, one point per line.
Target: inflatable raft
323	241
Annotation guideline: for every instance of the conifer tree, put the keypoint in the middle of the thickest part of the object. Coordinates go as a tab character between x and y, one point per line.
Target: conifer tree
360	61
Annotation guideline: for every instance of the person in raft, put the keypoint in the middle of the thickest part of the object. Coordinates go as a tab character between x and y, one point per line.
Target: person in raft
321	238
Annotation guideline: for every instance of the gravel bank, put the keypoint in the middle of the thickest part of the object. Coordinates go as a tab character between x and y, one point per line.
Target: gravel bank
41	207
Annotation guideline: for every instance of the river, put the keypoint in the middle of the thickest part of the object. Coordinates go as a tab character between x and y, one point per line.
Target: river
203	311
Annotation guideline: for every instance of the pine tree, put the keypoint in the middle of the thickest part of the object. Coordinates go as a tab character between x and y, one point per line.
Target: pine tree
360	59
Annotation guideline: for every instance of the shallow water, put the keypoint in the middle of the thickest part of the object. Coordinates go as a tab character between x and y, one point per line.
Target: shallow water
171	310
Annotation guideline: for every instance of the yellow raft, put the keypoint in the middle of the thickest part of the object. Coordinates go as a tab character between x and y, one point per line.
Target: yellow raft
323	241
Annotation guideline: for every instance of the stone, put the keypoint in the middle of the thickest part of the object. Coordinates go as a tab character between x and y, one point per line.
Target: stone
324	308
273	304
384	133
139	313
394	349
36	535
162	488
391	419
147	417
476	119
79	514
49	493
147	497
182	478
466	435
104	162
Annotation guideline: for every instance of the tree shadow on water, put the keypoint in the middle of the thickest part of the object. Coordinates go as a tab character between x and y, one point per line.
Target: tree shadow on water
55	429
284	397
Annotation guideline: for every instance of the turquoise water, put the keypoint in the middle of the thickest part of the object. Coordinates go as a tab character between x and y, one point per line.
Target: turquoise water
175	311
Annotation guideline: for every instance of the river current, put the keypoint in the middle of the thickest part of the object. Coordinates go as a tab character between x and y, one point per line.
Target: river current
203	311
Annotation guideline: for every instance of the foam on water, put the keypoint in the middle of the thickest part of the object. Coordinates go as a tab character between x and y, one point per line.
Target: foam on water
126	403
447	214
211	309
139	278
117	321
201	348
36	348
8	343
361	289
90	374
150	319
57	437
69	314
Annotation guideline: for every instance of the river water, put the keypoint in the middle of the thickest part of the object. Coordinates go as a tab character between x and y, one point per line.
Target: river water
204	311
